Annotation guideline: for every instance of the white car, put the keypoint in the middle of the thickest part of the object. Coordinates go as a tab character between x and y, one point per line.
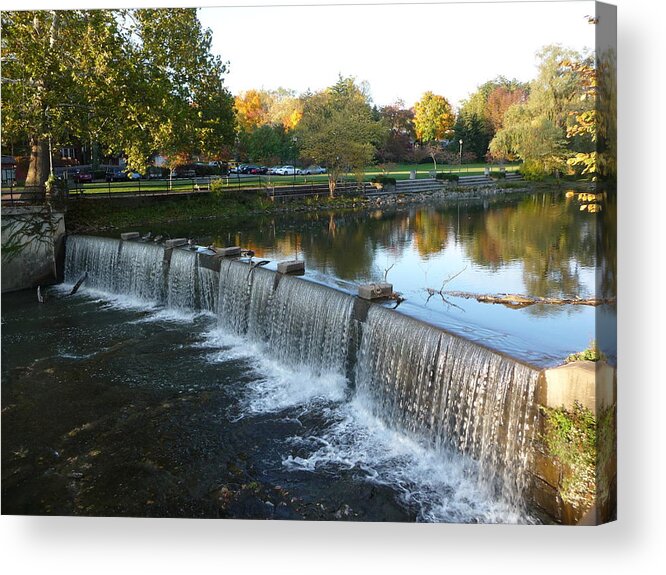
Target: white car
287	171
314	170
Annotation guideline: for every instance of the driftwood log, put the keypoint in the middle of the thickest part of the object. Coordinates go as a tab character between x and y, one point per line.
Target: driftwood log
520	301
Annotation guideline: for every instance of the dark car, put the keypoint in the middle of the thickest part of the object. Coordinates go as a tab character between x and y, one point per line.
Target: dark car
115	175
81	177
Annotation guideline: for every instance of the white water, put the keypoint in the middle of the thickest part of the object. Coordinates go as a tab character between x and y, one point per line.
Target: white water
442	420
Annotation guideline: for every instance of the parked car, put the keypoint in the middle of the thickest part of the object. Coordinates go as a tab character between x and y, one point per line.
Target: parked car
115	175
81	177
287	171
130	175
183	173
311	170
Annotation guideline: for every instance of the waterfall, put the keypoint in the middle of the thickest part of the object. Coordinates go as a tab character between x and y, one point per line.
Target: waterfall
454	393
182	280
310	325
208	281
130	268
234	297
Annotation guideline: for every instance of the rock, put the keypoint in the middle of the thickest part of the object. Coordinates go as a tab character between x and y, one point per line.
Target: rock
174	243
291	267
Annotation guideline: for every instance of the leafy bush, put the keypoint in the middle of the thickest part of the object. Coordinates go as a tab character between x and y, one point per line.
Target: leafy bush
497	175
592	353
571	437
217	189
533	170
447	177
384	180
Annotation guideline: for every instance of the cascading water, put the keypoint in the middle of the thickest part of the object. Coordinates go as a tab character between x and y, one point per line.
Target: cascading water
310	325
182	280
456	395
129	268
96	256
208	281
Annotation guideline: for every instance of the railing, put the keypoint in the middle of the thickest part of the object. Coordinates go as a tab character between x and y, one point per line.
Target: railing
274	187
301	190
15	196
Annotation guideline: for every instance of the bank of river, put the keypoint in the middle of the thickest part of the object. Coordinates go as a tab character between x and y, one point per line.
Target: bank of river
94	215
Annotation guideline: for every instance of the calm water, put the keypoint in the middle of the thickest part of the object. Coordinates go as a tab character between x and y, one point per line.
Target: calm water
113	406
539	245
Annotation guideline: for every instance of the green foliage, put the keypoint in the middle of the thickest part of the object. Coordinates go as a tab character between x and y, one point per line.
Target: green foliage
591	353
433	118
533	171
338	129
447	177
384	180
571	437
585	446
539	130
137	82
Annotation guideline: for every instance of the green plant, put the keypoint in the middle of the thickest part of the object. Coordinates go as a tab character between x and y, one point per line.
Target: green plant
591	353
447	177
218	190
570	436
384	180
584	445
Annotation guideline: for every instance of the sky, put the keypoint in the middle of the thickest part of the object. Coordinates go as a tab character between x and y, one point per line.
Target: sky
400	50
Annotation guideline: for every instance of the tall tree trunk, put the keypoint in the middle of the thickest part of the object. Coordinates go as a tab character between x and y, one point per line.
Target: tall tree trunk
331	186
38	168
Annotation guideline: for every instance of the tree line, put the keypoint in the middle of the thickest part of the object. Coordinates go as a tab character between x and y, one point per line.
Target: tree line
144	81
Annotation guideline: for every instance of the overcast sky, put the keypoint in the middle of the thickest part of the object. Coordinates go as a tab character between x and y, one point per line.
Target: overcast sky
400	50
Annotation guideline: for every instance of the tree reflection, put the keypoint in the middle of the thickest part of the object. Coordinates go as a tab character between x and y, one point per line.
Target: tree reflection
546	234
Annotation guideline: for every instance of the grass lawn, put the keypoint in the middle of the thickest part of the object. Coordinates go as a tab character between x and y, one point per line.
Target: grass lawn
397	171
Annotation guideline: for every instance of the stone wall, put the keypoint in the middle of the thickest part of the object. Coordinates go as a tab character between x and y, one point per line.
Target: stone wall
32	246
593	385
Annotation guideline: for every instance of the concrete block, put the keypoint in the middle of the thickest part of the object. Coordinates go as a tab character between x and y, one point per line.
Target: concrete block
174	243
233	251
375	291
591	383
291	267
130	236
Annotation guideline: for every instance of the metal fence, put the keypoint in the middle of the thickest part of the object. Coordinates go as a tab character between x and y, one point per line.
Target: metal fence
274	187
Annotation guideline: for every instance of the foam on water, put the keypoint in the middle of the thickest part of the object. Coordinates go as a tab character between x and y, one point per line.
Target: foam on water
439	484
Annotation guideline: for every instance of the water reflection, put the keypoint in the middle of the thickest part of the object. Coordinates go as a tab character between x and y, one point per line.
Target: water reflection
545	235
538	245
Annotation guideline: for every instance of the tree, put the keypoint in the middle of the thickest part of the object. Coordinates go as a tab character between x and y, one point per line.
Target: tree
251	109
135	81
338	130
433	118
399	133
538	130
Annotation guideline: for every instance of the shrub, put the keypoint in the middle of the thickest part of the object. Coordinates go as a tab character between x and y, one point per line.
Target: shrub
384	180
592	353
218	189
533	170
447	177
497	175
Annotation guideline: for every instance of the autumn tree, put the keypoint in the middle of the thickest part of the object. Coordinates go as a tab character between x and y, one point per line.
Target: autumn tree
433	118
338	130
538	130
399	133
136	82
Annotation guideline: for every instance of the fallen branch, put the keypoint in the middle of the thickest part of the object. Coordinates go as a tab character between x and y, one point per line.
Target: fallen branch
520	301
78	283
